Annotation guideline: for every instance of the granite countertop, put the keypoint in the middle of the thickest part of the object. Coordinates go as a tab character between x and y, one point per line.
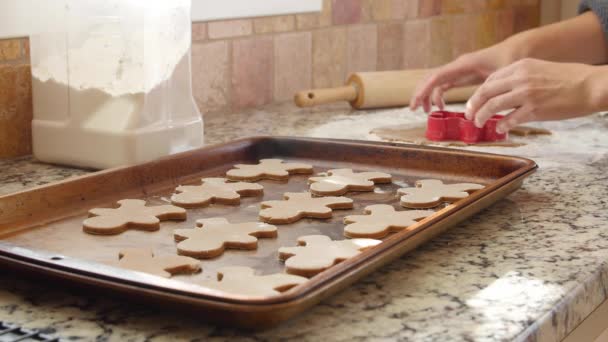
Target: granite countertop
531	267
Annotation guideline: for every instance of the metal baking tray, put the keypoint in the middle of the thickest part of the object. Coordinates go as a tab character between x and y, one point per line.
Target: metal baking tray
41	228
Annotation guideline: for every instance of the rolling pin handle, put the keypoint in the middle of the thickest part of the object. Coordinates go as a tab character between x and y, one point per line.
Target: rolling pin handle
313	97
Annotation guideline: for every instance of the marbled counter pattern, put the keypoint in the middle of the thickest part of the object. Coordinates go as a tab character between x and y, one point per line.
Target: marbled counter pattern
530	267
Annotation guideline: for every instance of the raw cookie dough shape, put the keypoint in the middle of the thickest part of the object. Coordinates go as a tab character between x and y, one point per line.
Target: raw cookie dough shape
133	214
381	219
267	169
242	280
215	235
429	193
299	205
144	260
214	190
340	181
317	253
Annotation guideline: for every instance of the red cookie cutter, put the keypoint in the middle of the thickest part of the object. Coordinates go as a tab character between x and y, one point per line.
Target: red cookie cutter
444	125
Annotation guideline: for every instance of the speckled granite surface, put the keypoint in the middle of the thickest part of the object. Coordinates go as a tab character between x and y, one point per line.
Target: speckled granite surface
529	268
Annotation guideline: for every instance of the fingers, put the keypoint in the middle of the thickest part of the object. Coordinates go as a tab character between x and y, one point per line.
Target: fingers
444	75
486	92
437	97
496	104
517	117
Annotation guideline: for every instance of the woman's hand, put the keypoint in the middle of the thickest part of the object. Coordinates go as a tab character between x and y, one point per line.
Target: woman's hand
468	69
537	90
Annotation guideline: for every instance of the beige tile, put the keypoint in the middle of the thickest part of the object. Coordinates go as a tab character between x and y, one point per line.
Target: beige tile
281	23
252	71
381	9
199	31
310	21
416	38
362	48
10	49
15	110
486	29
292	64
210	78
463	34
329	57
440	48
229	28
390	46
460	7
411	8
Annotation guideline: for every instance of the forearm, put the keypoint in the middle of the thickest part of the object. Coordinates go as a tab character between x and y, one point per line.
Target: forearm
597	89
577	40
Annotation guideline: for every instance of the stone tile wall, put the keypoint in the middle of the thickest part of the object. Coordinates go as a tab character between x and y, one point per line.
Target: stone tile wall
251	62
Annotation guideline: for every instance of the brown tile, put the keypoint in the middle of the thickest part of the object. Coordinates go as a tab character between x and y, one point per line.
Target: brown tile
362	48
390	46
429	8
282	23
440	49
411	8
15	110
416	42
526	17
329	57
346	12
381	10
199	31
229	28
10	49
314	20
486	29
252	68
464	29
25	45
497	4
292	64
504	24
210	80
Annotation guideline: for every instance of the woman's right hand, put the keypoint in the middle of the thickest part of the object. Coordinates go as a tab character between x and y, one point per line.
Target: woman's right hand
469	69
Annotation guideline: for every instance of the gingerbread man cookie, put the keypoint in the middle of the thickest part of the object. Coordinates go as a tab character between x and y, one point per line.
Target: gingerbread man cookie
430	193
242	280
299	205
317	253
267	169
381	219
214	190
133	214
143	260
217	234
340	181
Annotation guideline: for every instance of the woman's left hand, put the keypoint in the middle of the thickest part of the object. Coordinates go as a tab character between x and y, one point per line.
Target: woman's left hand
537	90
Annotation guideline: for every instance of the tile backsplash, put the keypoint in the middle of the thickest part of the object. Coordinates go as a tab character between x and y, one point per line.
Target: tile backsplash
251	62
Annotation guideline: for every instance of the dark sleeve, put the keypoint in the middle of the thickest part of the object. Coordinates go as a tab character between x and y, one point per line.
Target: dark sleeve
600	8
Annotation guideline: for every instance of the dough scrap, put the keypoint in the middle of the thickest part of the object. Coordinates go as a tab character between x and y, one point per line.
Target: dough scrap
214	190
242	280
215	235
317	253
429	193
132	214
381	219
340	181
144	260
267	169
296	206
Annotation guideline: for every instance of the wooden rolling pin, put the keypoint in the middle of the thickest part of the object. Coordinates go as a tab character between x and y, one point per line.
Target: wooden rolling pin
377	90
